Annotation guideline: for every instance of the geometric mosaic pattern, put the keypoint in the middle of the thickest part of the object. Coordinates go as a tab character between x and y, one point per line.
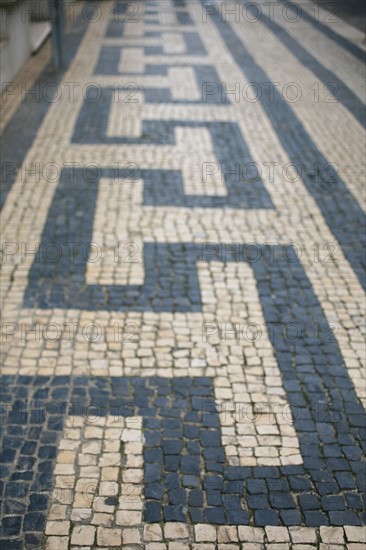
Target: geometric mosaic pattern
183	285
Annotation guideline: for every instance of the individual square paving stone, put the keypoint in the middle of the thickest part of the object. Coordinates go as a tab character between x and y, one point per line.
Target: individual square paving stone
102	519
309	502
303	535
128	517
81	514
108	536
174	513
33	541
152	532
266	517
82	534
57	512
227	534
34	521
205	533
281	500
176	531
57	528
196	515
154	491
214	515
57	543
11	526
332	535
250	534
131	536
238	517
344	517
195	497
355	534
291	517
316	518
333	503
345	480
354	501
277	534
152	512
213	498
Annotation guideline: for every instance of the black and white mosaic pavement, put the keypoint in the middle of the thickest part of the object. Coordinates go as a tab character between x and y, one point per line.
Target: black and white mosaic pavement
158	420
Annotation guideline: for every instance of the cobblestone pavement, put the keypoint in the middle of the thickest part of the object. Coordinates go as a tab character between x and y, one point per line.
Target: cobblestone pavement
183	283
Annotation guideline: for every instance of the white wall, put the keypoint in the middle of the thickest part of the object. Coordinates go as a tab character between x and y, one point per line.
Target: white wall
15	40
